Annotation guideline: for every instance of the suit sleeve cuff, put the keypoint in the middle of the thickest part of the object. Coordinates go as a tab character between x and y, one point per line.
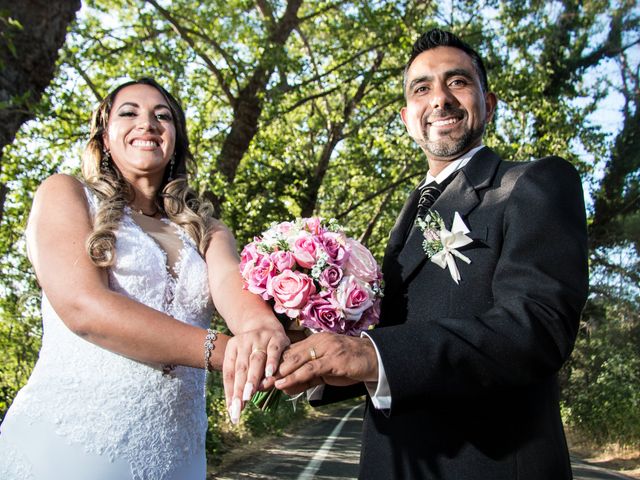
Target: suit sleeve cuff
379	391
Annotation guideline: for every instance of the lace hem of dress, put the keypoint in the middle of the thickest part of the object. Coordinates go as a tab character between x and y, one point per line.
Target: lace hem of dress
13	465
153	422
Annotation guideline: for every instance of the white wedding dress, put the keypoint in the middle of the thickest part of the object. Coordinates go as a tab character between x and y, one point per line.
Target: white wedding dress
89	414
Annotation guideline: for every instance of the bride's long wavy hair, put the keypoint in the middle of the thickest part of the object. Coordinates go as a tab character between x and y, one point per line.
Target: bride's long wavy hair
175	198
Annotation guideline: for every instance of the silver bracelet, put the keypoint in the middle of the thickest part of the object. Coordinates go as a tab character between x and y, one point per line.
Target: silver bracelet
211	337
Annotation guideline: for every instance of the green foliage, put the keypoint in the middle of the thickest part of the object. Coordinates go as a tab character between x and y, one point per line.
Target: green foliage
602	397
8	28
223	436
20	332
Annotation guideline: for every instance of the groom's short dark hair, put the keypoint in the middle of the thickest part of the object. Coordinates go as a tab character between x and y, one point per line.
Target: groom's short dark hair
440	38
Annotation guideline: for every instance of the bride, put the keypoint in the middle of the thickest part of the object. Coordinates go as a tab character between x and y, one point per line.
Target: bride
131	265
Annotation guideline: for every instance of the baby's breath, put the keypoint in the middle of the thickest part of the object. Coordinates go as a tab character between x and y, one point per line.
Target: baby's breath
333	225
320	265
378	288
431	226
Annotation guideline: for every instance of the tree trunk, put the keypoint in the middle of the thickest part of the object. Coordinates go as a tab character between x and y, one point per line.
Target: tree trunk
617	198
248	105
335	136
28	54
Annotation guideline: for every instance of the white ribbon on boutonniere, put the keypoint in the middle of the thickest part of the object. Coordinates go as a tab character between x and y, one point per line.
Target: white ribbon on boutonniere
441	245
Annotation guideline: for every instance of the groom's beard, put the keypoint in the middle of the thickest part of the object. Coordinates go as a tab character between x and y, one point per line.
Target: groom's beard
449	146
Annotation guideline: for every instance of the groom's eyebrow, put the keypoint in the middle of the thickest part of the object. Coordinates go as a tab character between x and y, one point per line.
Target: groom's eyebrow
420	79
458	72
454	72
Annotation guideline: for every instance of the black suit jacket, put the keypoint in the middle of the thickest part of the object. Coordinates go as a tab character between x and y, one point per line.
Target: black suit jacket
472	366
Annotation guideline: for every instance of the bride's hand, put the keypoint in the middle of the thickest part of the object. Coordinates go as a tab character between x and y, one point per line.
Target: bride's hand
249	358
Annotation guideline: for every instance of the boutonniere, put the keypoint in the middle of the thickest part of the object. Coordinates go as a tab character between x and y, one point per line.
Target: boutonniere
440	244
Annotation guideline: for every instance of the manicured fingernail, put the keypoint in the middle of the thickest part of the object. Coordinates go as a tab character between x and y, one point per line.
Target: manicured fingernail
248	390
235	411
268	372
280	382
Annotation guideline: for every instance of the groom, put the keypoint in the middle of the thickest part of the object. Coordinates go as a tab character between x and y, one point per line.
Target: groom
461	372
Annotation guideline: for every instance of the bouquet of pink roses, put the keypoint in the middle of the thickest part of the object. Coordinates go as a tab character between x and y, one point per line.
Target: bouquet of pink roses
315	275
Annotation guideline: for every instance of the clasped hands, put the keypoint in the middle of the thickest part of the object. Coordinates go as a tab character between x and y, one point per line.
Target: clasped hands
262	359
327	358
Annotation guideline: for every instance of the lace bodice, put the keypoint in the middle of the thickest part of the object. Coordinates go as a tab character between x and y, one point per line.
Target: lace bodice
115	406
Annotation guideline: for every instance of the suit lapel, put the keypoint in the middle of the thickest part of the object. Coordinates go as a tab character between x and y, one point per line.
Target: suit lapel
403	223
397	237
460	196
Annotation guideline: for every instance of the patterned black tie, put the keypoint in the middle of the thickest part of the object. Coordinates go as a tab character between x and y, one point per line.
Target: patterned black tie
430	193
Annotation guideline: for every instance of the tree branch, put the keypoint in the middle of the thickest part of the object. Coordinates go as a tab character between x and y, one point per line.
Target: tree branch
372	114
315	96
323	10
266	11
364	238
216	46
185	36
248	107
335	136
314	63
347	61
87	80
605	262
373	195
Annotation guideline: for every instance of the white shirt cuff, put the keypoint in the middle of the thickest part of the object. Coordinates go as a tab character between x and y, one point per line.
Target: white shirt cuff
379	391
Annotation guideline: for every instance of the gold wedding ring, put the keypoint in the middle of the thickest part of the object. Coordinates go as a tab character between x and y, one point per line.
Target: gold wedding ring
256	350
312	354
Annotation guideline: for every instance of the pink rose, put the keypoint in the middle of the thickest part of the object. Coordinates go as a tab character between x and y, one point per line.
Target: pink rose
305	251
257	273
283	260
291	291
431	235
336	247
249	254
314	225
330	277
322	314
283	227
370	316
354	296
360	262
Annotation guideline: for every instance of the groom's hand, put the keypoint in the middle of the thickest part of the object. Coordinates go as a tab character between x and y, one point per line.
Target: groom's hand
327	358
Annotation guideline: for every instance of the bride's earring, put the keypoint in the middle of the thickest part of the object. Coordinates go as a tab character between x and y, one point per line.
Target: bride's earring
106	160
